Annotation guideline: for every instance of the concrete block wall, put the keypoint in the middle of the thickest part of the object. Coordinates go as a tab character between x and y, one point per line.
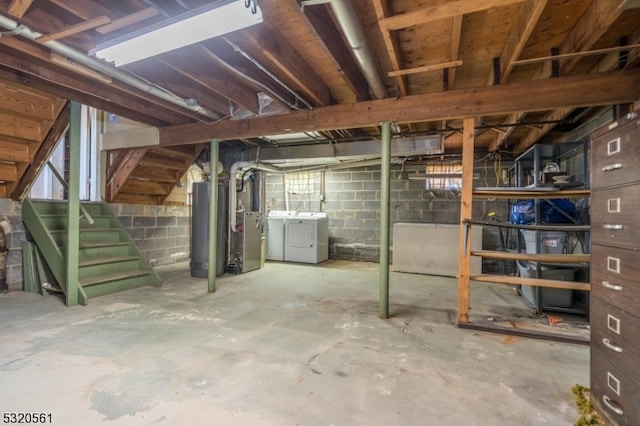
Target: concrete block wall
11	214
162	233
351	200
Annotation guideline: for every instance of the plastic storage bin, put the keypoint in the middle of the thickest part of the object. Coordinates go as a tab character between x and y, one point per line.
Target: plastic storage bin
550	241
550	297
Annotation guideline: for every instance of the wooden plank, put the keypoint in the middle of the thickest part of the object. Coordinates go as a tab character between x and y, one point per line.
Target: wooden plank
155	174
151	159
13	151
3	190
120	173
549	227
521	29
125	21
540	282
282	56
392	44
8	172
578	54
505	194
425	68
441	11
27	178
79	68
491	327
137	199
466	205
546	258
575	91
18	8
536	133
500	139
75	29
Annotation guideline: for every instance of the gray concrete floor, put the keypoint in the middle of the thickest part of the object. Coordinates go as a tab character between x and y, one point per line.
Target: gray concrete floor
286	345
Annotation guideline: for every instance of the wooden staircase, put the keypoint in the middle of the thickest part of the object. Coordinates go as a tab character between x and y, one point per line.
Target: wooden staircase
108	260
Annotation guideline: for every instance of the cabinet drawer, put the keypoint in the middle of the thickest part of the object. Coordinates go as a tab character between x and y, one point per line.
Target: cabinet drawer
615	277
616	334
614	394
615	214
616	154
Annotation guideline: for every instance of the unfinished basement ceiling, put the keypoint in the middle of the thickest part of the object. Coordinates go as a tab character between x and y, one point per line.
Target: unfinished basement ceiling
297	68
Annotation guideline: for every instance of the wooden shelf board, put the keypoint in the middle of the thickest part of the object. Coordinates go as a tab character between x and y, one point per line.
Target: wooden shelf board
546	258
540	282
519	193
558	227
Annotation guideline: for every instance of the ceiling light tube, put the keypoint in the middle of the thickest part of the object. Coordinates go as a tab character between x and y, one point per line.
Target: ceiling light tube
183	30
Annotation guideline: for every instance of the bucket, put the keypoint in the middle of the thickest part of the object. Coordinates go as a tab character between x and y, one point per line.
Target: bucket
551	242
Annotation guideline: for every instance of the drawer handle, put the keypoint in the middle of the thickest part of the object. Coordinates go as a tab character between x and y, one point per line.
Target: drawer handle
608	344
612	167
607	284
607	402
610	226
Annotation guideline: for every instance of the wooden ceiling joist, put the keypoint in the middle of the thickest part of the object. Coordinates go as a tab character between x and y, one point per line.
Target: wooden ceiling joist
392	44
454	50
562	92
75	29
125	21
278	51
82	9
18	8
441	11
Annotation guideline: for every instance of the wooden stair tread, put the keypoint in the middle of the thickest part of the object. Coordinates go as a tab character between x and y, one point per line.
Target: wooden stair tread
113	277
106	244
64	216
58	231
106	260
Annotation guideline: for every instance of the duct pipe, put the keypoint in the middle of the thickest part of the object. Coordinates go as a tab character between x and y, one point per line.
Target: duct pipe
352	30
104	67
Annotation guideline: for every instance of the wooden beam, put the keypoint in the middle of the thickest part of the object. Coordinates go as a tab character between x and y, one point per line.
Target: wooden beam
563	92
284	58
18	8
426	68
75	29
577	54
454	51
466	207
540	282
521	29
442	11
118	175
18	191
125	21
392	44
79	68
596	20
542	257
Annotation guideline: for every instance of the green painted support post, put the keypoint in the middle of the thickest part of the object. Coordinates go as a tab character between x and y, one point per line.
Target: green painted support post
213	214
385	196
73	197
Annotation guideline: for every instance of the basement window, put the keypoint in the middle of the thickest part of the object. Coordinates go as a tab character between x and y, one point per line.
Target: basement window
300	183
443	176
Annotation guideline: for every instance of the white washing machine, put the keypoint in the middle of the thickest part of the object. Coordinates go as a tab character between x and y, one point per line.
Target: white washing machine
307	238
275	234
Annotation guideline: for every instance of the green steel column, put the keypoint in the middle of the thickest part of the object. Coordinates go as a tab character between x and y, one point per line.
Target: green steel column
384	218
213	215
73	197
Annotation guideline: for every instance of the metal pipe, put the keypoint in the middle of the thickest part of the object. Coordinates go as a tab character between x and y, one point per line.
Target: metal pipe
213	217
385	199
105	68
352	29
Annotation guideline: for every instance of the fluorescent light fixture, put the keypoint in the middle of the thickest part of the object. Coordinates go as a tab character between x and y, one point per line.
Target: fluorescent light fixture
192	27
